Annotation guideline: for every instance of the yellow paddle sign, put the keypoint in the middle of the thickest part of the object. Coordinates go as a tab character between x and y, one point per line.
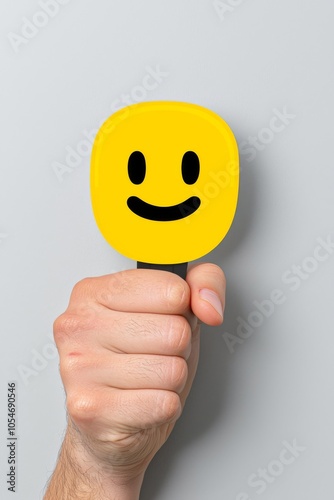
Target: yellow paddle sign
164	181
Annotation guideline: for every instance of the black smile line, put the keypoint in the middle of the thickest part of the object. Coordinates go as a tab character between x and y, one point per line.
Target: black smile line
163	214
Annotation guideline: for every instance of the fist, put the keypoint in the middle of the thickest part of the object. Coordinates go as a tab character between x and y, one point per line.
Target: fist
129	347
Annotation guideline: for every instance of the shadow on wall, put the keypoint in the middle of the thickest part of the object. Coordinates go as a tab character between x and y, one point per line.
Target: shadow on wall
206	402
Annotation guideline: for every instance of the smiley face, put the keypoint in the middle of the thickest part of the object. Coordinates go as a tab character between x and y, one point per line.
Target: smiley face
190	174
164	181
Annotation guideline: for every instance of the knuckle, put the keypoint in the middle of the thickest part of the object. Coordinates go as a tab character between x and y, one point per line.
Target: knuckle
178	373
179	335
70	365
177	295
65	369
169	407
63	326
82	407
68	324
82	288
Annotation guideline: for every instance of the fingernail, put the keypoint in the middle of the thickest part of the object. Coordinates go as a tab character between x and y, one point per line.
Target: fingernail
213	299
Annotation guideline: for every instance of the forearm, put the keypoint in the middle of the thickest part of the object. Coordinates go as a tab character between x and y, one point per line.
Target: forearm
77	477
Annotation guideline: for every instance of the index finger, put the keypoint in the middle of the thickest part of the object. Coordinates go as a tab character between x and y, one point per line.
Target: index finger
137	290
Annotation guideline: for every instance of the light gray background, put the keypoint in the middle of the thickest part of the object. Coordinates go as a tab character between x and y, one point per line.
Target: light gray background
278	385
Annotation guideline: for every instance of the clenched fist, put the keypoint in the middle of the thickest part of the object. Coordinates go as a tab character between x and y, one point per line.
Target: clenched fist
129	347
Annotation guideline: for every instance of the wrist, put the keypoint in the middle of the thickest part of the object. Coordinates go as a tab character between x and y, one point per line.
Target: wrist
102	479
82	478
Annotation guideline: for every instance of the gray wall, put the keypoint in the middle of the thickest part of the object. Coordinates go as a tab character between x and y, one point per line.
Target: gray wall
264	387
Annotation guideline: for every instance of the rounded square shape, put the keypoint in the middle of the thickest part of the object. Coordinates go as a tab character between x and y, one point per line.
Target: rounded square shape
164	181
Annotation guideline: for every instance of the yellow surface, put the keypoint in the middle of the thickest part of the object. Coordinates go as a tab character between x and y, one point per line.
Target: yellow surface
164	132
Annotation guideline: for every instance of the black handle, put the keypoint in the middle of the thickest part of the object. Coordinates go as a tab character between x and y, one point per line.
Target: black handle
179	269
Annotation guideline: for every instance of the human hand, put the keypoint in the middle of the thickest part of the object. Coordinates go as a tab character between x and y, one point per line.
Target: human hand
129	346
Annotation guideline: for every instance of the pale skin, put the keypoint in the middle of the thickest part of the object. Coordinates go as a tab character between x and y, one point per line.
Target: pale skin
129	347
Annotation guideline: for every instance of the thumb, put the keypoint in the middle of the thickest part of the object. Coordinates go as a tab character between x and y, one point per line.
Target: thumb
207	285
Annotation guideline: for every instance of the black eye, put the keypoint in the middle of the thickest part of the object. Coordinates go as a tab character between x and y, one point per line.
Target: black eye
190	167
137	167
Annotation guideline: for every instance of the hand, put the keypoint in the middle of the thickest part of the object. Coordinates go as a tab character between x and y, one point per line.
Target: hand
129	347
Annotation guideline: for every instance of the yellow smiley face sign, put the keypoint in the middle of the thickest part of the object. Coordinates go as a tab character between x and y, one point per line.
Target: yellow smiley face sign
164	181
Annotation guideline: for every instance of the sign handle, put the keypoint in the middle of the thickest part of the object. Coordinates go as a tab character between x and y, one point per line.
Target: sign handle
179	269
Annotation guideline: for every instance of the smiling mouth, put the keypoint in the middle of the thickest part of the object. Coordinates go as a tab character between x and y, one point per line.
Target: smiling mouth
163	214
